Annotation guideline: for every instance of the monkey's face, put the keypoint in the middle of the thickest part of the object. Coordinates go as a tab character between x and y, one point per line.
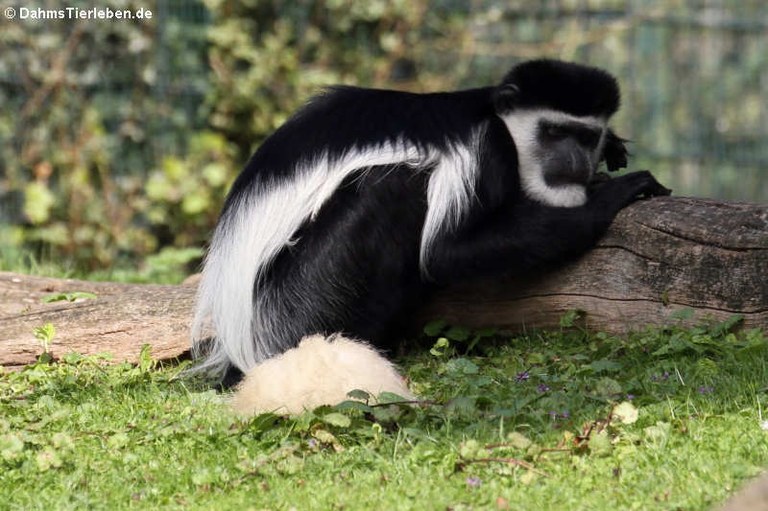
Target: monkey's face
569	150
558	154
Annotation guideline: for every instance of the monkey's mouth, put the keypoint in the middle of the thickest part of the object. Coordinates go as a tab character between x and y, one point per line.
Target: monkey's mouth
569	177
568	169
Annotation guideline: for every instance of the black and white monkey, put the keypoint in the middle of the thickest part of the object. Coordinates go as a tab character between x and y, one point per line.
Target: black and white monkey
365	201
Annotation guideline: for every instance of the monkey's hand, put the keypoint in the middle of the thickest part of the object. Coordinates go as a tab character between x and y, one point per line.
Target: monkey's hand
652	188
599	178
617	193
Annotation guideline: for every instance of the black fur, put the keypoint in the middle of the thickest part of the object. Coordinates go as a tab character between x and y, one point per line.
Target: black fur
355	267
615	152
347	117
571	88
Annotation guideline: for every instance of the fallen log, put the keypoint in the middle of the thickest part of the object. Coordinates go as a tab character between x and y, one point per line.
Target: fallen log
660	256
119	320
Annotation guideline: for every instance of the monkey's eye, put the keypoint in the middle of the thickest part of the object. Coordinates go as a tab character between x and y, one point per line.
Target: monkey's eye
588	138
554	131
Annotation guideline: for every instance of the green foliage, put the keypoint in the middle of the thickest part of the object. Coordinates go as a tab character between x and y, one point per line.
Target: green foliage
45	335
183	197
72	202
119	139
81	139
269	58
456	334
68	297
570	318
521	422
120	161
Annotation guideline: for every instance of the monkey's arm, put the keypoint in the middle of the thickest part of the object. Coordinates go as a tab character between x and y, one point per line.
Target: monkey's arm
520	237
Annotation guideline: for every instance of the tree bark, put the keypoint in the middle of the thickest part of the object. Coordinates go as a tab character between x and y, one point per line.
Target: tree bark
120	320
660	256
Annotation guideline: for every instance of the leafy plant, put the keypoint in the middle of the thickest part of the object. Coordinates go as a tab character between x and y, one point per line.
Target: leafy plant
68	297
45	335
548	418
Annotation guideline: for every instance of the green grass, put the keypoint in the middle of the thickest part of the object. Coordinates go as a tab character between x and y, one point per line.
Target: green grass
169	266
511	423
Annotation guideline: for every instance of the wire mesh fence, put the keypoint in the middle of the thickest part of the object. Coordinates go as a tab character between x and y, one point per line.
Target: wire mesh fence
694	75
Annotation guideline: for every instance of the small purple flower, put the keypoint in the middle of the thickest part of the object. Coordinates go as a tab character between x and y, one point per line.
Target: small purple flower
311	443
706	389
630	397
661	377
565	414
521	377
474	482
543	388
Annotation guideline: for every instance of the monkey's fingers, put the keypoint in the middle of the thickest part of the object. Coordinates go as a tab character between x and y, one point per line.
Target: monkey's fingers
654	189
650	187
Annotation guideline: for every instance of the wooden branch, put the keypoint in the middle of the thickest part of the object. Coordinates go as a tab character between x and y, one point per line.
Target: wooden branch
660	256
120	320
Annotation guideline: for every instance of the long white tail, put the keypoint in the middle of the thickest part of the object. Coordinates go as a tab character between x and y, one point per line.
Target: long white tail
264	219
256	226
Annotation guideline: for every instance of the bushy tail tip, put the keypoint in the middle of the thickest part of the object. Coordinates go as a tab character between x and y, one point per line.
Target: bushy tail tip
319	371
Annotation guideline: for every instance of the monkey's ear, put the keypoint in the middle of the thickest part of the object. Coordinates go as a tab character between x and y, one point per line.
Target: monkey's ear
505	97
615	152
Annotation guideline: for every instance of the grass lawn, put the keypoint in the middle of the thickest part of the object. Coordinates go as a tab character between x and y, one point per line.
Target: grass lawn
663	419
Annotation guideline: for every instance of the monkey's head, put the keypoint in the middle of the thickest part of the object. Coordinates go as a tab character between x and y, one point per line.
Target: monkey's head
557	114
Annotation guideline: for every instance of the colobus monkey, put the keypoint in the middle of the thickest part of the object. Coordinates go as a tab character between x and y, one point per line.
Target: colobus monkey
365	201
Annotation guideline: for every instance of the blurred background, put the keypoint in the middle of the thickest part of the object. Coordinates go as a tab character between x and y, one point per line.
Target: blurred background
119	139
